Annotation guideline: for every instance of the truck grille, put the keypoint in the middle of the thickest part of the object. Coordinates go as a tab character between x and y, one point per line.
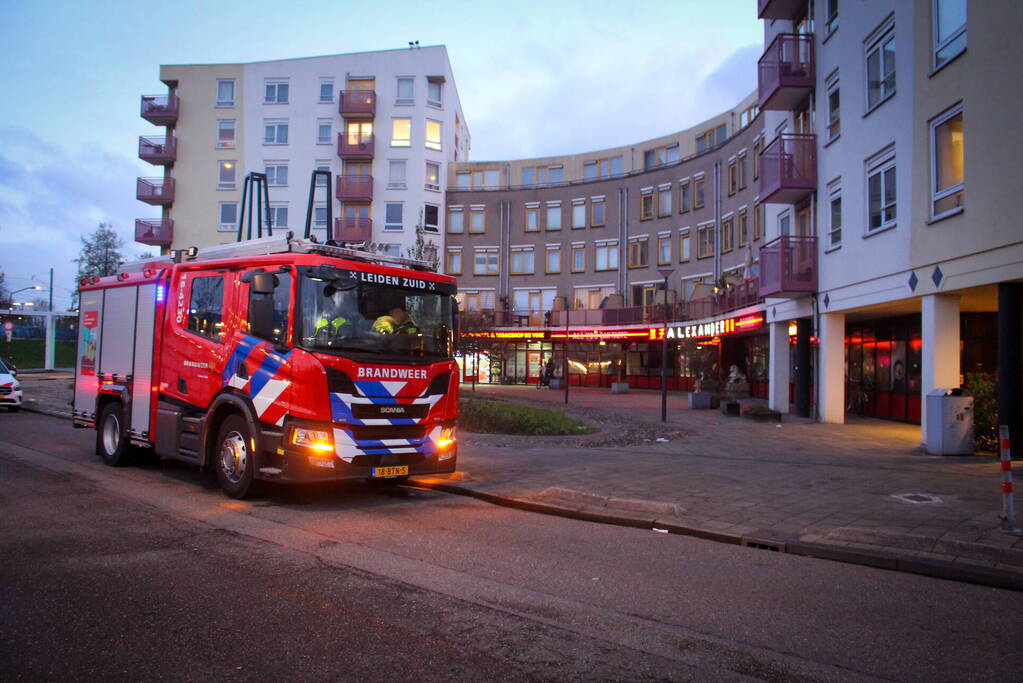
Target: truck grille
378	433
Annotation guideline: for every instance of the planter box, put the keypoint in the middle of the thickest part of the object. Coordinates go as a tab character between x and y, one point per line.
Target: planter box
619	387
701	400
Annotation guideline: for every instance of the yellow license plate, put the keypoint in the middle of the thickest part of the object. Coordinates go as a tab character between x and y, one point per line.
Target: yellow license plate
394	471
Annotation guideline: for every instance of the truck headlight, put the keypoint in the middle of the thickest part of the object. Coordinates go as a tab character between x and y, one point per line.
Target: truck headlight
313	439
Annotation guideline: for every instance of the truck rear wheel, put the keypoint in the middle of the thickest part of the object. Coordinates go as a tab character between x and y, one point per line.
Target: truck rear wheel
234	459
111	444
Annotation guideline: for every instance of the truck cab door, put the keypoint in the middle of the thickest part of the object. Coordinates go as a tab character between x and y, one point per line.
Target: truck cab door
195	347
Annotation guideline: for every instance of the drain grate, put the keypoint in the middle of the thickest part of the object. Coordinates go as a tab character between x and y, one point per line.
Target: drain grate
763	544
917	498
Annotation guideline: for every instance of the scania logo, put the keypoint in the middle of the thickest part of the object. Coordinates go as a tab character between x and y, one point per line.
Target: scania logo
392	409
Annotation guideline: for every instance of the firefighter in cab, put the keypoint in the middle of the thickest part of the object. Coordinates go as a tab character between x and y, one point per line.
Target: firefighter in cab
395	321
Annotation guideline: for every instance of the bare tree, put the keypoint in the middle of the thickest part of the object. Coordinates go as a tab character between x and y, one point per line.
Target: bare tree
100	255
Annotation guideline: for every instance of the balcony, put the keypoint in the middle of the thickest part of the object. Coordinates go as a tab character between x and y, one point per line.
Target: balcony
358	104
788	169
158	151
355	145
788	267
155	232
155	191
355	188
779	9
347	229
161	110
731	298
786	72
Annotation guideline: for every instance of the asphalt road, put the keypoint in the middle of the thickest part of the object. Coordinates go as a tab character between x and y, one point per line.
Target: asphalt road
150	572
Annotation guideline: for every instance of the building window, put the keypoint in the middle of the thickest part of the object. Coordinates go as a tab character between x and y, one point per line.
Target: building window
759	216
432	176
659	156
758	147
638	253
832	16
742	171
454	264
747	115
405	93
432	134
606	256
578	259
532	219
705	246
324	132
784	223
276	93
554	217
663	250
949	30
326	91
834	110
322	181
401	133
698	193
664	201
743	221
881	69
396	169
711	139
226	173
225	133
835	215
602	168
685	196
455	221
553	261
542	175
578	214
435	92
597	211
225	93
228	216
279	216
359	132
477	221
881	195
471	179
485	262
727	235
275	133
683	246
733	177
320	217
276	174
522	261
431	218
947	176
646	205
463	180
393	216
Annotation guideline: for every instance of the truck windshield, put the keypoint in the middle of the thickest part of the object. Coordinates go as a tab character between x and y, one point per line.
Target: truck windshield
339	311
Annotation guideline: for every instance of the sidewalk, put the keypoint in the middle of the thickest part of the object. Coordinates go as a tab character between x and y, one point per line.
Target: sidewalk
862	492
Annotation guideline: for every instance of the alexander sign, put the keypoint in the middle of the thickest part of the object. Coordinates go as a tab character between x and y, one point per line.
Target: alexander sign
716	328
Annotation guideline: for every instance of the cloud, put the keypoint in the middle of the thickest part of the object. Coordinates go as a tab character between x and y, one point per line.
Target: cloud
50	197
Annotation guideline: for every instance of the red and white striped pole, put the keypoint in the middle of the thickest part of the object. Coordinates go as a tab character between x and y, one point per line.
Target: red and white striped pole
1008	513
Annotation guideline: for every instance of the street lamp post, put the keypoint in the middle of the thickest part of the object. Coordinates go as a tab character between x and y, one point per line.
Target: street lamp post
665	273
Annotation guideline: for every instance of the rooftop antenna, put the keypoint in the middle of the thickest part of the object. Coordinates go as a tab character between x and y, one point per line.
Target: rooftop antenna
413	44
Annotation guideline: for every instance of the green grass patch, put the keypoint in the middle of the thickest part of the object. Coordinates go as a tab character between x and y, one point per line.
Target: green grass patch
28	353
489	416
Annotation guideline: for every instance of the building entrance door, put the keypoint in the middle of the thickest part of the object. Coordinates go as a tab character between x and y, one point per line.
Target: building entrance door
534	363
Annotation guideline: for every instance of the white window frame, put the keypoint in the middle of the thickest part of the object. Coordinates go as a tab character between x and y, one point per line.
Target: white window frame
439	102
222	126
885	35
330	88
276	84
320	139
275	212
427	184
320	209
438	143
227	227
277	130
880	165
322	165
389	227
273	177
404	101
834	193
227	184
392	182
831	18
833	88
937	195
225	103
938	47
401	142
435	227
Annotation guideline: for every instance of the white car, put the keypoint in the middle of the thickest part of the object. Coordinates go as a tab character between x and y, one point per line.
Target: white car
10	387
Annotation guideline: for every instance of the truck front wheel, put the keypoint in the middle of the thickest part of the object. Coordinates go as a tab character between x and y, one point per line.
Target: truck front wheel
234	458
111	444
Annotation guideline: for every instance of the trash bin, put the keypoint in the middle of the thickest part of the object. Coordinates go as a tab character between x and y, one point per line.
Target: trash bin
949	422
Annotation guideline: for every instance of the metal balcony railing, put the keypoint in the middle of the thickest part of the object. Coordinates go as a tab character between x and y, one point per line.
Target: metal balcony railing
355	145
358	103
159	151
161	110
788	267
347	229
354	187
155	190
156	232
786	71
788	169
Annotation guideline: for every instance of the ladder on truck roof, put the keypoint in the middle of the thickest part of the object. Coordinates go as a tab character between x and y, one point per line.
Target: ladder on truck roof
276	244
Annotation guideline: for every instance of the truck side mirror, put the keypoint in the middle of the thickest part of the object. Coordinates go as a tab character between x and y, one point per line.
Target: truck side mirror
263	283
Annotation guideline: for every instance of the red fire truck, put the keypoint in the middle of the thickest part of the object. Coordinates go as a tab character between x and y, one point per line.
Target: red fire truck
277	358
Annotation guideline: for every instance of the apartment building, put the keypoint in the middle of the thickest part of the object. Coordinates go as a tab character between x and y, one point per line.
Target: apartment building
385	123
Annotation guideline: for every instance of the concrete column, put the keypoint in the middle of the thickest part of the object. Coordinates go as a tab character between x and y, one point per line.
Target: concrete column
1010	364
831	368
51	336
778	367
939	328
